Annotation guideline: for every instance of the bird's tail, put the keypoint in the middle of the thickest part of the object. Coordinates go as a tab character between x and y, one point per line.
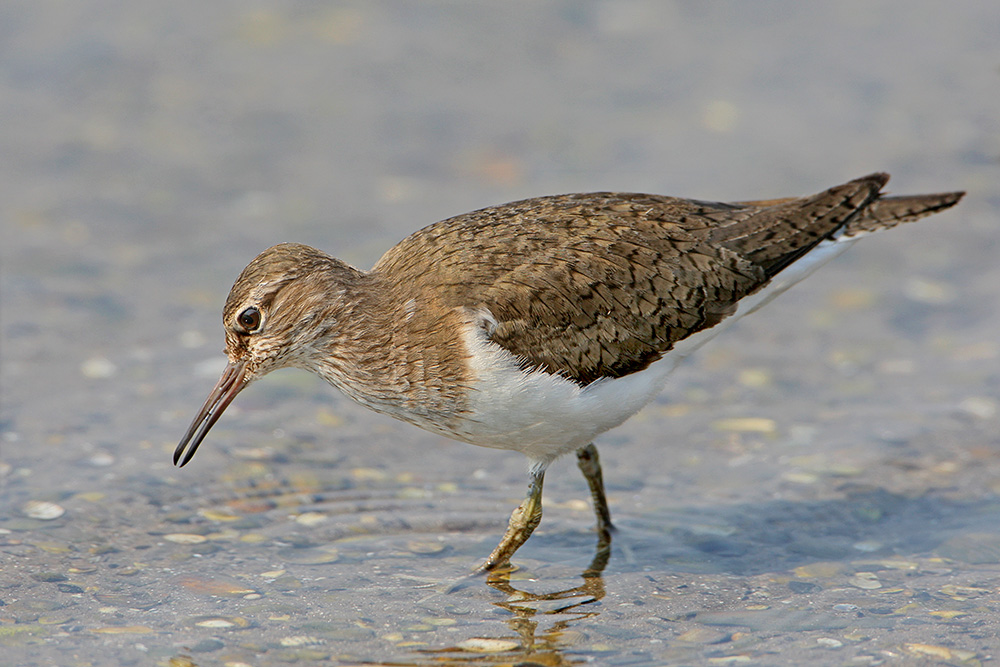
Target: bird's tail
886	212
774	233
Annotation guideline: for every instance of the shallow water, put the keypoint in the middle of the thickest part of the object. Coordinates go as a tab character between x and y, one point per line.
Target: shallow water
818	484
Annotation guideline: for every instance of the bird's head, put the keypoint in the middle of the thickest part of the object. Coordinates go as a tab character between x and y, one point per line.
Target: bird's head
279	313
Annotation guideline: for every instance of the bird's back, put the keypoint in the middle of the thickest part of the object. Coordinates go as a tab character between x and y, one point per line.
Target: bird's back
602	284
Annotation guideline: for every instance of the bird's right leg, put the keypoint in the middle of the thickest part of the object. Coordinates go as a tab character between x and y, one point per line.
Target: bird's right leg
523	521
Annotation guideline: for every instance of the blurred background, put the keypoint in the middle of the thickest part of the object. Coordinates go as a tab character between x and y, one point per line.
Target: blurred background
150	150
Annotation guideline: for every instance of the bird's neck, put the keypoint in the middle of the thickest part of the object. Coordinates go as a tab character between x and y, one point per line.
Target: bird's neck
396	351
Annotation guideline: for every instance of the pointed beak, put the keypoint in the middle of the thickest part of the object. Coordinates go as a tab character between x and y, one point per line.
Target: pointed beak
230	384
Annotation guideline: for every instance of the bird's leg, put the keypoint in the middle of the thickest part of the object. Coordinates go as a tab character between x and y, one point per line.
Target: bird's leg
523	521
590	466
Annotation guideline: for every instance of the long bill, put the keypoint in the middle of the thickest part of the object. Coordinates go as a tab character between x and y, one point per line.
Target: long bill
230	384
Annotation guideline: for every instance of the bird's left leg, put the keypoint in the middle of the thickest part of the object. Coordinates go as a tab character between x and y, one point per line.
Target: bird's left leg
590	465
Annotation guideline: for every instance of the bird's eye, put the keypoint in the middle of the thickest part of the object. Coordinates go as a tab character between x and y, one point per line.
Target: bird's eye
249	319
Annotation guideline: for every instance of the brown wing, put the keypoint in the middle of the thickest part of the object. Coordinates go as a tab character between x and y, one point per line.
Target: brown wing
602	284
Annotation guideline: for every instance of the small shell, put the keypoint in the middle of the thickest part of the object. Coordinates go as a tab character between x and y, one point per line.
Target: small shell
185	538
42	510
301	640
487	645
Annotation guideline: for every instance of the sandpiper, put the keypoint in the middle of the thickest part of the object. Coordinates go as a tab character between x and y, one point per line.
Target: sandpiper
536	325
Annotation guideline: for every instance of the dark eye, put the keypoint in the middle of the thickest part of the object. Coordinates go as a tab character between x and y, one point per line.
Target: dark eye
249	319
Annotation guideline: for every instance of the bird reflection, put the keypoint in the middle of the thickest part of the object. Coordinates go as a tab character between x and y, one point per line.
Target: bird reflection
537	642
572	604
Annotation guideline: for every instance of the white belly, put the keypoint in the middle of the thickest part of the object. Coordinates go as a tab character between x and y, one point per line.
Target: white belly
544	415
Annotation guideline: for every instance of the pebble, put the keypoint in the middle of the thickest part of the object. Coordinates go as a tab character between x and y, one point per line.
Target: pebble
800	477
746	425
424	547
54	547
219	515
42	510
300	640
894	564
704	636
848	298
101	460
368	474
929	291
215	587
311	518
325	417
222	622
286	583
979	406
754	377
99	368
928	650
185	538
254	453
272	574
865	580
125	630
720	116
487	645
58	619
310	555
963	592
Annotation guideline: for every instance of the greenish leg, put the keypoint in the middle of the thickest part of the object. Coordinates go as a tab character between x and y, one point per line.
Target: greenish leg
590	466
523	521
